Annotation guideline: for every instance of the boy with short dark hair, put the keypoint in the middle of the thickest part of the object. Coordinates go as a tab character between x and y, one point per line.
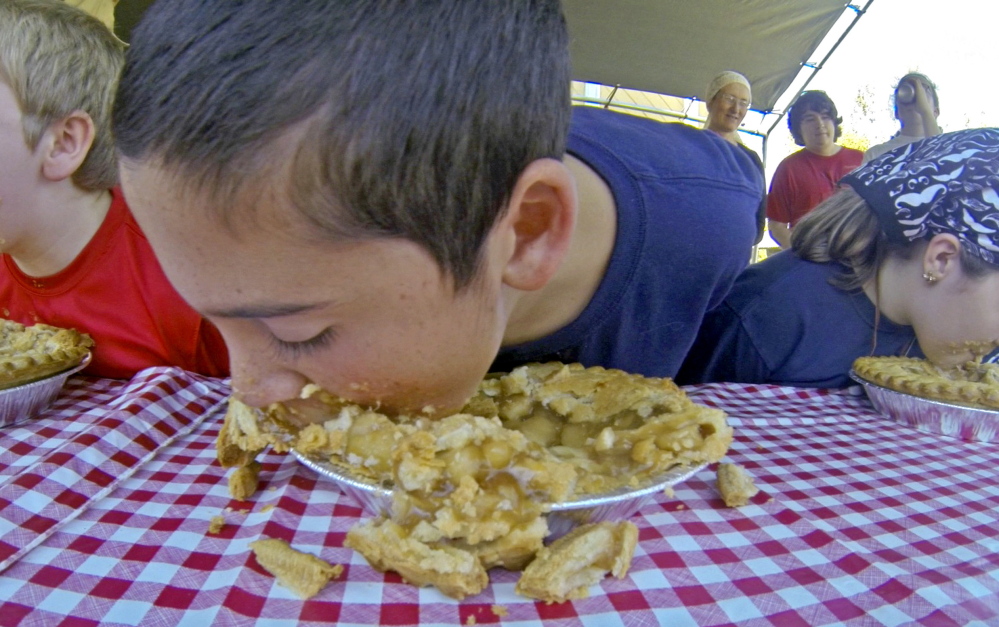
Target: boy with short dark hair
71	255
392	200
806	178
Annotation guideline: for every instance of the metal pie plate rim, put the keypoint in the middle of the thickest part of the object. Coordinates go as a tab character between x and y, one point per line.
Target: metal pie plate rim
68	372
25	401
666	480
922	399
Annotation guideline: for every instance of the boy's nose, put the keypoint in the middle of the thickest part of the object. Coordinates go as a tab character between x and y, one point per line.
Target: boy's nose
258	385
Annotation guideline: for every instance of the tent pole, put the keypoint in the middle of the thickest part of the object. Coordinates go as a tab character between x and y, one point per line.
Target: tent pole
611	96
858	13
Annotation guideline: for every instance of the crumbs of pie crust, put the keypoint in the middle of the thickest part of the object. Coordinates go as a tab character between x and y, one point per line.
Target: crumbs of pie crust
499	610
244	480
388	546
972	383
302	573
216	524
581	558
735	484
471	490
29	353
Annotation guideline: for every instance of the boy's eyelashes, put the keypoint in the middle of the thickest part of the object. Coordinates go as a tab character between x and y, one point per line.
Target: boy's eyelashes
304	348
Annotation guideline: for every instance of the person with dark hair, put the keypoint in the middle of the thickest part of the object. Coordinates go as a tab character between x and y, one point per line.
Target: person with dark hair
916	108
904	260
728	99
391	201
71	254
807	177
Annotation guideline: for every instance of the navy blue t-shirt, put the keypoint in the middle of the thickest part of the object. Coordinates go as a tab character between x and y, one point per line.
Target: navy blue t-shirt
784	323
686	205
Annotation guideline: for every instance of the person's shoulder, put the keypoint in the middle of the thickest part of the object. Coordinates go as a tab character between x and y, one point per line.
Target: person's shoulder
753	154
586	118
789	164
797	155
781	283
654	148
121	213
850	156
779	271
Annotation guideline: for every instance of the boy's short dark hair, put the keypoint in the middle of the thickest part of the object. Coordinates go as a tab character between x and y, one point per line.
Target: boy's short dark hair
815	102
416	117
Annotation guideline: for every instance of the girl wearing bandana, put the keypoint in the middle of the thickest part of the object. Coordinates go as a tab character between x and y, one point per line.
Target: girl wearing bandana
902	260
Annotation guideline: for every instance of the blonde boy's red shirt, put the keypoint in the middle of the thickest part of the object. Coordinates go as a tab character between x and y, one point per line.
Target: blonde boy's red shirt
116	291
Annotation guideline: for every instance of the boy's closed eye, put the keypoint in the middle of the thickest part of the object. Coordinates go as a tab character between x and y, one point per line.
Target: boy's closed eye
306	347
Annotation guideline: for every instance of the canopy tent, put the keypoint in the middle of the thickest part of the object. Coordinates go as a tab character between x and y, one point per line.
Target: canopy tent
658	48
675	47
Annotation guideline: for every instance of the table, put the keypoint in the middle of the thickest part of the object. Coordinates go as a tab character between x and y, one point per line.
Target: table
106	499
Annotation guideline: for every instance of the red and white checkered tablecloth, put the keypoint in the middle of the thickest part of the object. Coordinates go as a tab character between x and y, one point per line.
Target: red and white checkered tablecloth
105	502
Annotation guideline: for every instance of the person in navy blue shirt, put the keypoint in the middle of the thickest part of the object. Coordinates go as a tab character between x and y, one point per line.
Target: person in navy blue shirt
903	261
684	204
385	202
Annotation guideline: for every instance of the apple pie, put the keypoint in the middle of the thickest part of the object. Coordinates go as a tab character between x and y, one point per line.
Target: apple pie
29	353
972	383
470	491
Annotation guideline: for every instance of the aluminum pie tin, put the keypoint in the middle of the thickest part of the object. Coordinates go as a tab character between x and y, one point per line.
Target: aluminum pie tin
25	401
941	417
615	505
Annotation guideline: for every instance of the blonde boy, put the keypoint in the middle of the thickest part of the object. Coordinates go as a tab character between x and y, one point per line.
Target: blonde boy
71	254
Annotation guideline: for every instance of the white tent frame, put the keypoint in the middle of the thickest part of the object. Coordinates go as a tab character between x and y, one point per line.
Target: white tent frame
790	42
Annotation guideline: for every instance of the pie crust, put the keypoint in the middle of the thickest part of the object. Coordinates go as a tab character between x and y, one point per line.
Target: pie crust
470	490
973	384
31	353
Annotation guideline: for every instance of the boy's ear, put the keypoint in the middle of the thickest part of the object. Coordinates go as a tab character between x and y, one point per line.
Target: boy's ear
65	144
539	224
942	256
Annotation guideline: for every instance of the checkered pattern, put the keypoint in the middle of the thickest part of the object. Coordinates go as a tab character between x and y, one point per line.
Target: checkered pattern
860	520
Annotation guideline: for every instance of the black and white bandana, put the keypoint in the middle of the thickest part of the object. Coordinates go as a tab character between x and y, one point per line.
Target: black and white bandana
944	184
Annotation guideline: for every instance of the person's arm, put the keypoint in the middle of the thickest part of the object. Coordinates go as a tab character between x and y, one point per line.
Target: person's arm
779	203
780	232
926	111
761	220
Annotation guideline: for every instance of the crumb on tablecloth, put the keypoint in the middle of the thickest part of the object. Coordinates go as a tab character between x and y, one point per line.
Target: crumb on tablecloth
735	485
244	480
216	524
581	558
302	573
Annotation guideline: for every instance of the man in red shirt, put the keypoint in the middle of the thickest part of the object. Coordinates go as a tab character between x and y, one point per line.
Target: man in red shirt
71	254
809	176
